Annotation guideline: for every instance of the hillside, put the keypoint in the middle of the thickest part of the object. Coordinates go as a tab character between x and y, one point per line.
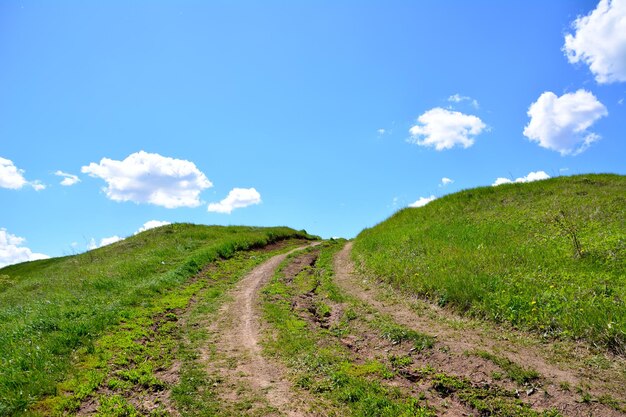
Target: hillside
546	256
51	310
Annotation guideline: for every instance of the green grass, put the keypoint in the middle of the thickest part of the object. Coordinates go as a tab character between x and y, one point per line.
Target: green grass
100	303
547	256
512	370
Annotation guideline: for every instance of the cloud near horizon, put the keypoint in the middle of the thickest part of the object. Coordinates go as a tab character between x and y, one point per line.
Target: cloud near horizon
599	40
237	198
151	178
444	129
151	224
13	251
561	123
532	176
422	201
103	242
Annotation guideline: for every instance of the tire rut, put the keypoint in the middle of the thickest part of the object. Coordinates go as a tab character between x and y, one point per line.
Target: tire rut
236	354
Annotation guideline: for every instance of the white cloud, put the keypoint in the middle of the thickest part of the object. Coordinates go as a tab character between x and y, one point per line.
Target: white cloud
444	129
12	250
37	185
103	242
237	198
108	240
561	123
457	98
151	224
13	178
600	41
532	176
10	176
151	178
68	179
422	201
445	181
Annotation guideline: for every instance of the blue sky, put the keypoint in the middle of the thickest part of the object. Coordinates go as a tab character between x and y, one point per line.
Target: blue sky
327	116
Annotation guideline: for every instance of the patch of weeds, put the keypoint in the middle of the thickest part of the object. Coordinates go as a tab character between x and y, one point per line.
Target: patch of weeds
400	361
370	368
350	314
612	402
116	406
397	334
512	370
488	400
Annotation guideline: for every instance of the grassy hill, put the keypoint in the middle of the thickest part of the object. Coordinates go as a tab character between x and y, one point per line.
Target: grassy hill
52	310
548	256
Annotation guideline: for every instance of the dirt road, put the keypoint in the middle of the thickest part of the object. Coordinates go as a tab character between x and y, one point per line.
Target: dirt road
237	357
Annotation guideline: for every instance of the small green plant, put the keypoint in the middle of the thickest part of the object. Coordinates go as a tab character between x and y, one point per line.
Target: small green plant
512	370
397	334
569	229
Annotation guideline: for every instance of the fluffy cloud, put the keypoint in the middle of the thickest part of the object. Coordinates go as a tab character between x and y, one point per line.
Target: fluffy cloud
12	250
422	201
68	179
445	181
444	129
151	224
457	98
237	198
532	176
600	41
10	176
151	178
561	123
13	178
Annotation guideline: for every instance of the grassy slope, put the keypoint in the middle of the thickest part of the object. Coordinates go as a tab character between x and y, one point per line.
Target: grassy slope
547	256
51	308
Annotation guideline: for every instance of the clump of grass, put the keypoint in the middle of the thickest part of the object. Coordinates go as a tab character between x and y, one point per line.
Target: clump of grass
491	401
514	371
547	256
397	334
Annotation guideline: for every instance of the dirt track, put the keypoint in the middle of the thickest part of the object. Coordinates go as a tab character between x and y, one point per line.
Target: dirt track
239	360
